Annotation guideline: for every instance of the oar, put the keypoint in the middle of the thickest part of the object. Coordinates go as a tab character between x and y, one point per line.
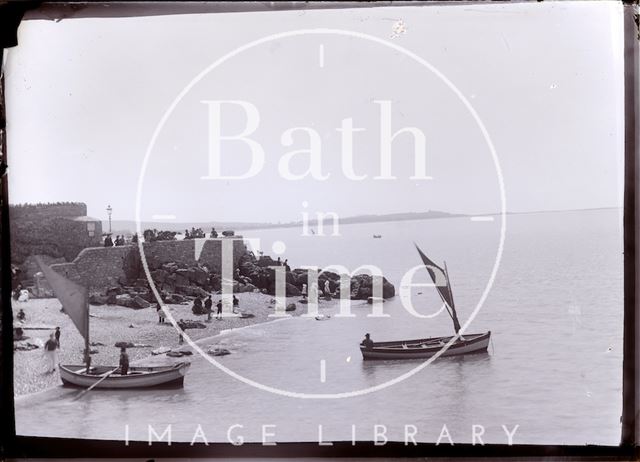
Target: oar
104	376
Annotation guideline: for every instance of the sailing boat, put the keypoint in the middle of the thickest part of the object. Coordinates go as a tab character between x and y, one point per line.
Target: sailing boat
75	300
427	347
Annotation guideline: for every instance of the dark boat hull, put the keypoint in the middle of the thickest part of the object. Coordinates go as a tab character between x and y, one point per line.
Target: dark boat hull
427	347
138	377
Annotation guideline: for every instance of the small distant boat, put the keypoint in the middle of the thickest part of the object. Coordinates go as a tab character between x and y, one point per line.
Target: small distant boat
377	236
137	377
427	347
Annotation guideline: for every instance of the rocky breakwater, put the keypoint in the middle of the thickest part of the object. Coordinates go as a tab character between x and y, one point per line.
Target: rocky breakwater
177	283
182	282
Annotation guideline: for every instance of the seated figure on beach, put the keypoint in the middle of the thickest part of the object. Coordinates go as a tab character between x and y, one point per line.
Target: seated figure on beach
21	315
214	233
367	342
197	306
124	361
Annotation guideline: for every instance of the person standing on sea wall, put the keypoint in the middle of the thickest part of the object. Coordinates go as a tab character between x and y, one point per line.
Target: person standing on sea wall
57	335
51	352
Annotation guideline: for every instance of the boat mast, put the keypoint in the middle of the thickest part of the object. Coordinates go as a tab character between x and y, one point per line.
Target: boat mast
87	352
454	315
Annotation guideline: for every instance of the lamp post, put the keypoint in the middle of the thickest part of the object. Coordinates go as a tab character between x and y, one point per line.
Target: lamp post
109	211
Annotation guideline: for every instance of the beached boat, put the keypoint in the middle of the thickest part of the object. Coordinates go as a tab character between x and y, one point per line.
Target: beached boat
137	377
75	300
427	347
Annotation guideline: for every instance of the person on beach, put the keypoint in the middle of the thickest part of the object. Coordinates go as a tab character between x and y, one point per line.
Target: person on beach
367	342
236	304
107	241
21	315
57	335
51	352
278	262
16	293
134	238
327	288
197	306
160	312
219	312
286	265
181	326
124	361
214	233
208	303
304	291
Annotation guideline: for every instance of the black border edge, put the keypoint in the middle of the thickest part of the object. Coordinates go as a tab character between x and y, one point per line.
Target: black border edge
631	330
7	409
26	446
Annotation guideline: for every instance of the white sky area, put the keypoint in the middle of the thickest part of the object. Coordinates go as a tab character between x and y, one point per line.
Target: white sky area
84	97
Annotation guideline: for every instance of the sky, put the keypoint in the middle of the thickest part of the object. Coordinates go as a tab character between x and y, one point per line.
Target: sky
85	96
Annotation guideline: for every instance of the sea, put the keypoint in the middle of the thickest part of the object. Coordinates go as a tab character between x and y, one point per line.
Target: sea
550	292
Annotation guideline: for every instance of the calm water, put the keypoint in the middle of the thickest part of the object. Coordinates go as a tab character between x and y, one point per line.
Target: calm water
554	367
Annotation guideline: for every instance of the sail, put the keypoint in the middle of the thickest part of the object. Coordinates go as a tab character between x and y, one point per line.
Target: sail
73	296
440	278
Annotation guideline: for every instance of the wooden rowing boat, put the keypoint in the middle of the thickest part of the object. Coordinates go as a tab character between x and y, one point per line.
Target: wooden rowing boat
137	377
74	298
427	347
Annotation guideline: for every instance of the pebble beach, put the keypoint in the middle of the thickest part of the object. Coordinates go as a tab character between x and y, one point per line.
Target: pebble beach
110	324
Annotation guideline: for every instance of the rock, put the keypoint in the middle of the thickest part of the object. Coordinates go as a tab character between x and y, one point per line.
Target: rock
159	275
181	277
241	288
24	346
198	276
96	344
117	290
189	324
218	351
244	315
160	350
175	299
291	307
139	303
112	299
292	291
174	354
192	291
362	287
97	299
124	344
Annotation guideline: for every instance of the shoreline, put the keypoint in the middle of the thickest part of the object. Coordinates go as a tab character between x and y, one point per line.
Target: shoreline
110	324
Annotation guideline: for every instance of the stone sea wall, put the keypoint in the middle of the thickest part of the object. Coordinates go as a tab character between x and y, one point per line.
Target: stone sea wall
103	267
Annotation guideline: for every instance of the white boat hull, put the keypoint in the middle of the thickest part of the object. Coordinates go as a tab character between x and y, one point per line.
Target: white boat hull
426	348
138	377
